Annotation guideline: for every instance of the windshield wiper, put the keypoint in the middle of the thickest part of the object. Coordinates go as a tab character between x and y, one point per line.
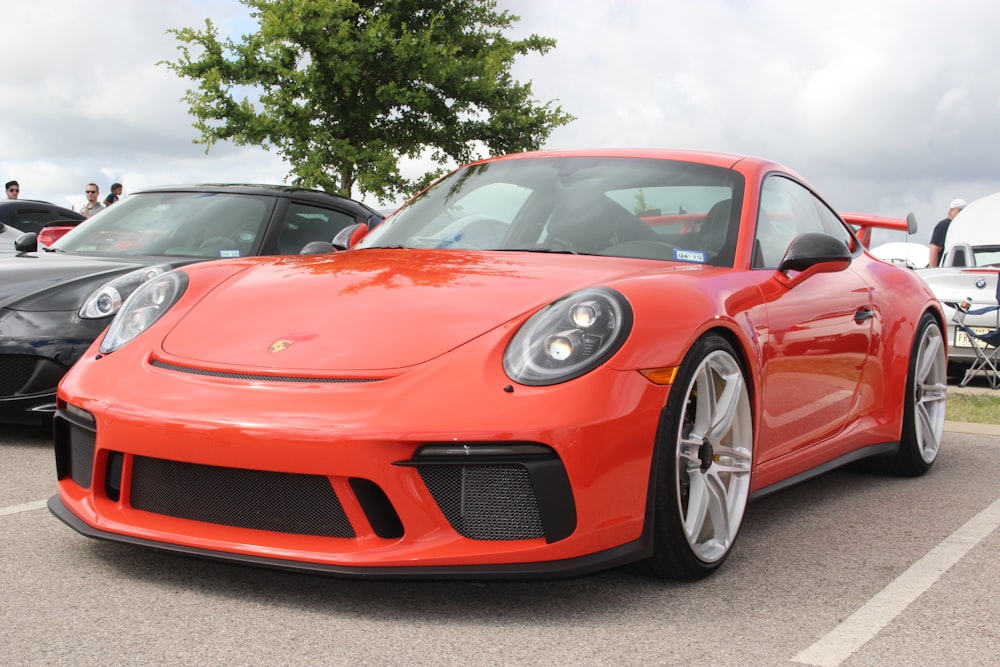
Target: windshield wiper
554	251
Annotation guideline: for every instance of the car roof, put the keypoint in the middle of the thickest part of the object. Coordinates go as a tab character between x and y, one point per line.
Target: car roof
746	164
260	189
706	157
29	203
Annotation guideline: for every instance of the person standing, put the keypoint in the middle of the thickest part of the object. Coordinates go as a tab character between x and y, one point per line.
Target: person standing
114	195
941	232
13	189
92	205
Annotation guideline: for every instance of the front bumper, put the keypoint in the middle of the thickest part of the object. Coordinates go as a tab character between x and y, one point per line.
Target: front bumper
367	480
589	564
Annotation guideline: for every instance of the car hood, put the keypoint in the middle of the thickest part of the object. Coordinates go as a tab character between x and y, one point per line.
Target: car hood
52	281
376	310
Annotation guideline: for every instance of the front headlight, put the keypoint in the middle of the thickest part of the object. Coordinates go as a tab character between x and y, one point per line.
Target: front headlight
108	298
569	337
144	307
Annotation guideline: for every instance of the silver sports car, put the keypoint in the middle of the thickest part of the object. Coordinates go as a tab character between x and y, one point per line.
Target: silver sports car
969	272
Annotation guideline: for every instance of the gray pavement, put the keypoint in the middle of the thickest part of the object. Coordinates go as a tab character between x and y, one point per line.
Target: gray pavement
851	569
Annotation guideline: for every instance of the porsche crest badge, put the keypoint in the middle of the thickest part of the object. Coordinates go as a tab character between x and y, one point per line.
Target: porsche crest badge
279	345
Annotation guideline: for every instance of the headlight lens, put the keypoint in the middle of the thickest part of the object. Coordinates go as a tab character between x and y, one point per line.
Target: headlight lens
144	307
108	298
569	337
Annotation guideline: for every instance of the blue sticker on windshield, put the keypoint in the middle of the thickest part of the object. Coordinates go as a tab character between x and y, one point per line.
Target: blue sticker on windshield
229	253
689	256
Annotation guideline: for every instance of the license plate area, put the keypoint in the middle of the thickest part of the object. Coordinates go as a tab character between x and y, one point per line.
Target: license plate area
962	338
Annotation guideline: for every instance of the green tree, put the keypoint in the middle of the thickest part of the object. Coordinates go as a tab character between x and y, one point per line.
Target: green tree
345	89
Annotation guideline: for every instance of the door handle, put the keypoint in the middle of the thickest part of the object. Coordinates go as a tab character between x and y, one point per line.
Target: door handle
863	314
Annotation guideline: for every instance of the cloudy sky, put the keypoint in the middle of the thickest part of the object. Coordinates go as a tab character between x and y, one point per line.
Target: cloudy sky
886	106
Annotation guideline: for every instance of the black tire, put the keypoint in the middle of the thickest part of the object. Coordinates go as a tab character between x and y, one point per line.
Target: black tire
703	463
925	403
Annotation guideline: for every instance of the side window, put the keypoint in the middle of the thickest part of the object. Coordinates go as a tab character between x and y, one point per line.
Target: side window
304	223
832	224
34	220
786	210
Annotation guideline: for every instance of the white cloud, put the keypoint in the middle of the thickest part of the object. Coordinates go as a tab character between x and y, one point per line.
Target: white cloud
886	107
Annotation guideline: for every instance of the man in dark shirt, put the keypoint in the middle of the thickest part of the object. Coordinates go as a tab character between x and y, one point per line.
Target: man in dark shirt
941	232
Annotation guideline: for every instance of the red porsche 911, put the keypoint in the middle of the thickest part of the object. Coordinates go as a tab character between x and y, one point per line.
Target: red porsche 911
545	364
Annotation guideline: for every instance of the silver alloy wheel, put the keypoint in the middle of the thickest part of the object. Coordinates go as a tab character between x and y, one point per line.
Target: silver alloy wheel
930	393
714	456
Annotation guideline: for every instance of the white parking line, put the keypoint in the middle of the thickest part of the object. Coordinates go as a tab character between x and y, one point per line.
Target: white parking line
24	507
878	612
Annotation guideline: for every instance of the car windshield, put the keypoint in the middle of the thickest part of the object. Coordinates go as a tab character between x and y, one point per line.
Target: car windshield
987	255
624	207
178	224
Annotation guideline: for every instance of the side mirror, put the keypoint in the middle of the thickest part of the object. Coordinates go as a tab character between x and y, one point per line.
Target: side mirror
316	248
809	250
911	224
347	237
27	242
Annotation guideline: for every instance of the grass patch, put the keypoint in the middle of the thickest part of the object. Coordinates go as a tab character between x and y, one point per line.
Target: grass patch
976	408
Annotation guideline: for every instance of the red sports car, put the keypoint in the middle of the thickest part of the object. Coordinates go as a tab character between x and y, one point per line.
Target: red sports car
546	363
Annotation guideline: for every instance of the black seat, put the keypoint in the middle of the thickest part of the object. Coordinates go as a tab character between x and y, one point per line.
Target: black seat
300	230
716	235
590	224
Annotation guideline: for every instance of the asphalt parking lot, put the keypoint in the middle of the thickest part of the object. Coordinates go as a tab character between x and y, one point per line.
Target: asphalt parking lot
848	569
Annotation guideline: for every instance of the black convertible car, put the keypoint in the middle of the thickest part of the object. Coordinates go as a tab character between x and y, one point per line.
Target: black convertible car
55	302
31	215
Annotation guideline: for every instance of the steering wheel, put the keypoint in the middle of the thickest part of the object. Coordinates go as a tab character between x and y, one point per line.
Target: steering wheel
641	250
218	241
480	232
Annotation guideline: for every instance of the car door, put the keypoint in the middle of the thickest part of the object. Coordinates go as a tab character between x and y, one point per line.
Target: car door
818	330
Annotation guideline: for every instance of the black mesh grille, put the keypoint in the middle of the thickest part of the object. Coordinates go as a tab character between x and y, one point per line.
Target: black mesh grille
280	502
485	502
15	371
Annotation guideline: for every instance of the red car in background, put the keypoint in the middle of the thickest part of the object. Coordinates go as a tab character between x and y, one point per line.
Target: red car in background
544	364
54	231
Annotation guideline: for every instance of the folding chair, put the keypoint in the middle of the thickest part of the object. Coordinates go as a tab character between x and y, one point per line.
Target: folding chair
986	345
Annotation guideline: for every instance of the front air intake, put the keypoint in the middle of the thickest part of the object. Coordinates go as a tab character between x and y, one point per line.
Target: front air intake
275	501
498	490
486	502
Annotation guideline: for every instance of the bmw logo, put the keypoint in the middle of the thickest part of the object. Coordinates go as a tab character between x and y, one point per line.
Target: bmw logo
980	283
